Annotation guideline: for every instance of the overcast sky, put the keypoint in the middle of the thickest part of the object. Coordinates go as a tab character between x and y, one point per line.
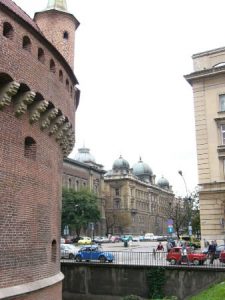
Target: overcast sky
130	58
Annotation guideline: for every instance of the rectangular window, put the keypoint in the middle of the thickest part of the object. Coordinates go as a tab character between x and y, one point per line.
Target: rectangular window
223	134
222	102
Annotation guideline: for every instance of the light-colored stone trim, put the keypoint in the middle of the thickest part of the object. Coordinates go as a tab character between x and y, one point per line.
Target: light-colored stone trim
30	287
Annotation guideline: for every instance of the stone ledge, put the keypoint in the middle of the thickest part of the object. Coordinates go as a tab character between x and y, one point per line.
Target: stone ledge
30	287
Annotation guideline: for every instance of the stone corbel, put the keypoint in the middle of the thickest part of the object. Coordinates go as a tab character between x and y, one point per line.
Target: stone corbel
6	93
36	111
56	124
22	101
62	130
47	118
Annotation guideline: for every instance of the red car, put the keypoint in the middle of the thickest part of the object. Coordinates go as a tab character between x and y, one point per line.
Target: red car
222	257
175	257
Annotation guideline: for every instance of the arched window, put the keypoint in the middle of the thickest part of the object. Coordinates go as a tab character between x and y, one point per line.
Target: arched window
53	252
65	35
52	66
60	76
41	55
30	148
71	91
8	30
67	84
26	43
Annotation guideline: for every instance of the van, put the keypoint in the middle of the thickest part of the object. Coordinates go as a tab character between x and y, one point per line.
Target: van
149	237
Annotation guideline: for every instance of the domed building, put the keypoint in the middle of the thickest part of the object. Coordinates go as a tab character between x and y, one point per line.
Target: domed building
143	171
121	165
163	183
83	155
39	98
81	171
134	203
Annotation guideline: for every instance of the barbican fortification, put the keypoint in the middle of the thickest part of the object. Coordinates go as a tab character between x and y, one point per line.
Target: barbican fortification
38	101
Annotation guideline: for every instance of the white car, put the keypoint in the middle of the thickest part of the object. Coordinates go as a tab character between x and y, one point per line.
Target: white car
68	251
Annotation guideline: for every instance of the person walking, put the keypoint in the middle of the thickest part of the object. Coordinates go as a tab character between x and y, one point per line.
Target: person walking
212	251
184	254
160	249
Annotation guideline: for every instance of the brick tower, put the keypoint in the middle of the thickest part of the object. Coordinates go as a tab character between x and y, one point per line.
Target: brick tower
38	101
59	27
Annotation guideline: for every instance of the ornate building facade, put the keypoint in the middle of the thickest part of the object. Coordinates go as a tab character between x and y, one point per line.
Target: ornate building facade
38	101
83	172
208	83
138	203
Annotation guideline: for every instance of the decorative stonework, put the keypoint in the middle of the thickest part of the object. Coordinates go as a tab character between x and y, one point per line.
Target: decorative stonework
36	111
22	101
50	118
7	92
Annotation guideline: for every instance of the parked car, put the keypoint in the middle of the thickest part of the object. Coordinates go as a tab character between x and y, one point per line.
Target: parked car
68	251
174	256
115	239
101	239
149	237
85	240
76	239
62	240
126	238
93	252
218	250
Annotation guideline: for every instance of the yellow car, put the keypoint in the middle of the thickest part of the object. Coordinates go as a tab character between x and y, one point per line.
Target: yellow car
85	240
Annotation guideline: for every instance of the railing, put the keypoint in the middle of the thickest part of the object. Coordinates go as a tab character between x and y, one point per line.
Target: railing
135	258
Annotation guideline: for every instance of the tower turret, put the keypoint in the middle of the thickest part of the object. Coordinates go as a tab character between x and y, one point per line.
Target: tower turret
59	27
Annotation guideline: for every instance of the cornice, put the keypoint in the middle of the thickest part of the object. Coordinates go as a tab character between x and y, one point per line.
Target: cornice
204	74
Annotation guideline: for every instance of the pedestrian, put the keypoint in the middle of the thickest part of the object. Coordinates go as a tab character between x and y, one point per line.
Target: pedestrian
160	249
184	254
169	246
212	251
154	253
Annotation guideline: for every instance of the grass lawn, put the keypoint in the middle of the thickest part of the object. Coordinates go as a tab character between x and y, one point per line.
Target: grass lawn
215	292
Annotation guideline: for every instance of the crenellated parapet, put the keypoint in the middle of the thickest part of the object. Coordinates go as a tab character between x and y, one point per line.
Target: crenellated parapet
49	117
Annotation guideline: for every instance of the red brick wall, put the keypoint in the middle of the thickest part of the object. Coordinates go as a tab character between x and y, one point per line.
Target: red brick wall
58	22
52	293
23	66
30	195
30	190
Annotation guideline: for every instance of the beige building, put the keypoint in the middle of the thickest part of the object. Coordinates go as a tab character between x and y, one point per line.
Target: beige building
129	199
137	202
84	172
208	83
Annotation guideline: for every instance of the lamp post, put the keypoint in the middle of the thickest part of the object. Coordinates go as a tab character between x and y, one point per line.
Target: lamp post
187	199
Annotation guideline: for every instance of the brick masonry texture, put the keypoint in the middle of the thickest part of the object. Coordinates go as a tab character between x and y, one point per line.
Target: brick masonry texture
30	189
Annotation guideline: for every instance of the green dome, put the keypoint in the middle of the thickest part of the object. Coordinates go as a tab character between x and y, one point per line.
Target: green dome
57	4
142	169
163	183
121	164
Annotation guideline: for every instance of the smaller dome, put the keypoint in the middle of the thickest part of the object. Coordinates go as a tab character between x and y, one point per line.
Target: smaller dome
163	183
142	169
121	164
84	156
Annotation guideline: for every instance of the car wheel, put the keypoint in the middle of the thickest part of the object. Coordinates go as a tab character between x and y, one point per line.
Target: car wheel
196	262
102	259
71	256
78	258
173	261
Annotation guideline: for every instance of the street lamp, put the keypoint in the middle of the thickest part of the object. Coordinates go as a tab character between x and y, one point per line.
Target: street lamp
187	199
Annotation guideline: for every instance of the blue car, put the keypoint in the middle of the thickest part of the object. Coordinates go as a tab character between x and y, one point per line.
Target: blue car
94	252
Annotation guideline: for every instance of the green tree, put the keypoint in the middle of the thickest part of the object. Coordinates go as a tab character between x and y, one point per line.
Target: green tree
79	208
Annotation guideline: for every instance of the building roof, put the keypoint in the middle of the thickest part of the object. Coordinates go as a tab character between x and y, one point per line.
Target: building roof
57	4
